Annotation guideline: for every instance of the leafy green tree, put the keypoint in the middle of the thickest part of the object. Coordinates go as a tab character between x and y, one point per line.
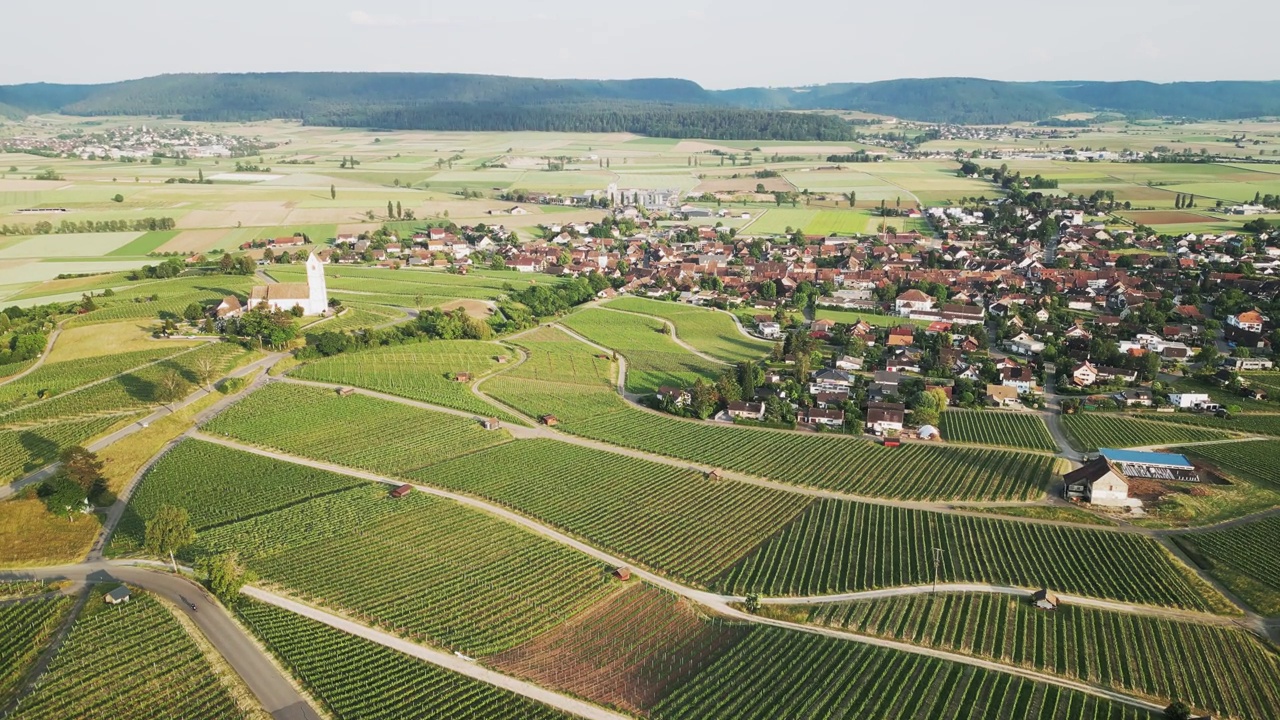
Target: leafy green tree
117	198
193	312
225	575
168	532
83	467
1177	710
333	191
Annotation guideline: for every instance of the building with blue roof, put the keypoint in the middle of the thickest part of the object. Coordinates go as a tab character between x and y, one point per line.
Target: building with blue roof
1146	458
1150	465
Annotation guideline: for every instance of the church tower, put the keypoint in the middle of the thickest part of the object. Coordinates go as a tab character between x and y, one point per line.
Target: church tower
318	294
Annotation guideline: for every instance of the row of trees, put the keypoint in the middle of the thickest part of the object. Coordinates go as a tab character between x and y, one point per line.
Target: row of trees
44	227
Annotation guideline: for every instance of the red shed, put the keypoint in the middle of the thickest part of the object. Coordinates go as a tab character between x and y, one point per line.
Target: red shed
401	491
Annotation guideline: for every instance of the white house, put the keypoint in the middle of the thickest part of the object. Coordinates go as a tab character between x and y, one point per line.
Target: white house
913	301
312	296
769	330
885	418
1024	344
1097	483
1187	401
1250	321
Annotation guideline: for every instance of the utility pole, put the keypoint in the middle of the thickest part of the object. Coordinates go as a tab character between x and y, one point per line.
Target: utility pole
937	562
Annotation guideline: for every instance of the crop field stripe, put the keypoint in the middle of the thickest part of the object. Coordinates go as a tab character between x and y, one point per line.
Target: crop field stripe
1090	431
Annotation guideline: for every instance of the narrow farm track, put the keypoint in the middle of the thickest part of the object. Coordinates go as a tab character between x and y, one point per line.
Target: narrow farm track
717	603
48	348
455	663
105	441
49	653
274	691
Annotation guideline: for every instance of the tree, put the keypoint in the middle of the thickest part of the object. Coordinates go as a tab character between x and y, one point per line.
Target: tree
1177	710
170	387
117	198
169	531
399	212
82	467
390	209
333	192
702	399
200	176
225	575
192	312
205	368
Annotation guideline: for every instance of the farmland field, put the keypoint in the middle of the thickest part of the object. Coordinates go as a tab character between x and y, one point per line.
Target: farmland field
852	465
58	377
777	673
420	371
25	629
219	485
665	517
31	535
1254	461
653	358
628	651
997	428
555	356
27	448
1245	558
814	555
173	296
328	663
1252	423
1223	669
354	318
131	661
1090	431
312	421
710	331
419	566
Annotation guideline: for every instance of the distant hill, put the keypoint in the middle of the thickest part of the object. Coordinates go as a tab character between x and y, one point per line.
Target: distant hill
659	106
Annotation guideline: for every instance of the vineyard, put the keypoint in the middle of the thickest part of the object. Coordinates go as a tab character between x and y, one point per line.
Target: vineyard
125	662
986	427
173	296
219	485
776	673
1245	558
354	318
1090	431
418	566
912	472
317	423
627	652
25	628
1254	461
840	546
24	449
665	517
653	358
710	331
354	678
554	356
1253	423
56	378
420	371
131	391
1224	669
438	285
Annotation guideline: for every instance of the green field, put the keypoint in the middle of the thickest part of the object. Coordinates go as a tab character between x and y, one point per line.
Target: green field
667	518
709	331
137	646
1090	431
1253	462
148	243
314	422
1245	558
1223	669
59	377
420	371
27	448
25	629
815	555
987	427
1251	423
653	358
418	566
328	663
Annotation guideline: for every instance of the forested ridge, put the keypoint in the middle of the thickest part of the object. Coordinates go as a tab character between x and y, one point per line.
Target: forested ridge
659	106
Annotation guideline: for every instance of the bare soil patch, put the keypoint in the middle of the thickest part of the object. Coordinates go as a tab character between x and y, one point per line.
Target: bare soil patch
743	184
474	308
193	241
1167	217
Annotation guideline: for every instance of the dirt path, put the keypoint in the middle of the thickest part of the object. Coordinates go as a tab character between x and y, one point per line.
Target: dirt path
720	604
48	654
448	661
674	337
1225	441
48	348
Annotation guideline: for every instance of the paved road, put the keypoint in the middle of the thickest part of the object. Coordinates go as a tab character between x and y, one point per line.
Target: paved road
442	659
273	690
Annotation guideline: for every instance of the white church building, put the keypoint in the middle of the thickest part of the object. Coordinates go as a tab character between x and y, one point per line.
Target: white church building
312	296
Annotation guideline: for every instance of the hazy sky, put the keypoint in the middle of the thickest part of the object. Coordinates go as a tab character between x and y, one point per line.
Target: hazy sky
717	43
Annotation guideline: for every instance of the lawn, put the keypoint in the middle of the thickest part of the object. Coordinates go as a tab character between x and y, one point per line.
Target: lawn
30	535
653	358
710	331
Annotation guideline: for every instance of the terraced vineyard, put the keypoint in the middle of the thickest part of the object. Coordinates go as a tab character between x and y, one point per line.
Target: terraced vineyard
1253	461
355	678
776	673
653	358
628	651
25	629
710	331
555	356
27	448
420	371
986	427
665	517
911	472
1223	669
1090	431
56	378
126	662
1245	558
314	422
219	485
419	566
838	546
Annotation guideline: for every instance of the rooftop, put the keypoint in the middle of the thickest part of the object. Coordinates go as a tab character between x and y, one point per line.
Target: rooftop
1146	458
